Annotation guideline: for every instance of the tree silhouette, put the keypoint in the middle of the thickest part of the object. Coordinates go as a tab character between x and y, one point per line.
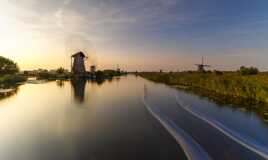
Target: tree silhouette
7	66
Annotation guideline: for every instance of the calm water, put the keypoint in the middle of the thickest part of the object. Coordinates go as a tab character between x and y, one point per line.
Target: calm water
124	118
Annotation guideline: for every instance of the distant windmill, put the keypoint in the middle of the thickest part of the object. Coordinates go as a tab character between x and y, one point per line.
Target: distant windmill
201	67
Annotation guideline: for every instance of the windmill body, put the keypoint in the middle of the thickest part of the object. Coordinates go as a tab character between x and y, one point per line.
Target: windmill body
201	67
78	63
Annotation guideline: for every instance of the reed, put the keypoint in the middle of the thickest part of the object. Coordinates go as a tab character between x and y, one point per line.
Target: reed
231	84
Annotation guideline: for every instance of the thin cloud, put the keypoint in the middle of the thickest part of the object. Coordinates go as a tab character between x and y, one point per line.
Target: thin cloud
67	2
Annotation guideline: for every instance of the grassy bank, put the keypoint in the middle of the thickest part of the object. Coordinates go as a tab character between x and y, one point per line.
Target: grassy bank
106	74
49	76
246	91
253	88
11	79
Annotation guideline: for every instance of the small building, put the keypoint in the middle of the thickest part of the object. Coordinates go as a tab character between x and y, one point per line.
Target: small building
78	63
93	69
118	70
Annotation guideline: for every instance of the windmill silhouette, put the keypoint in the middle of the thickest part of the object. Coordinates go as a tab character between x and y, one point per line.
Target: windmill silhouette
75	44
78	63
201	67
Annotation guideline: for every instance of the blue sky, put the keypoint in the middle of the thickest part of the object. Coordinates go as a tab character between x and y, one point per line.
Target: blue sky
140	34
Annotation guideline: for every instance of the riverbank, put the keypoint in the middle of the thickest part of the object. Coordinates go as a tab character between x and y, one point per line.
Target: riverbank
11	79
226	88
46	75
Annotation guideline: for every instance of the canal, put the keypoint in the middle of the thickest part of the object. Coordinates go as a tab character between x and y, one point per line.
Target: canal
124	118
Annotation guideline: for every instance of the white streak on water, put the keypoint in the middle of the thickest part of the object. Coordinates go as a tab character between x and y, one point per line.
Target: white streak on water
251	145
6	90
191	148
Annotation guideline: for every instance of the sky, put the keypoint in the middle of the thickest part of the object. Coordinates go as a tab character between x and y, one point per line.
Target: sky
143	35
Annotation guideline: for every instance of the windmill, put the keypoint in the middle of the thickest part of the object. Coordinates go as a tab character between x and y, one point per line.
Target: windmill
201	67
78	63
76	44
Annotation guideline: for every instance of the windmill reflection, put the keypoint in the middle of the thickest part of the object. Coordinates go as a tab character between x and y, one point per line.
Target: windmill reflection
78	87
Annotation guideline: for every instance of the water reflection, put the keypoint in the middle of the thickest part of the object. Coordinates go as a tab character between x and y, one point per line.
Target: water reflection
7	93
60	83
78	89
99	81
47	121
117	79
237	104
212	125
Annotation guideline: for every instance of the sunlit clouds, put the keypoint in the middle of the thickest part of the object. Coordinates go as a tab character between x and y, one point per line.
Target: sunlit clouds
138	35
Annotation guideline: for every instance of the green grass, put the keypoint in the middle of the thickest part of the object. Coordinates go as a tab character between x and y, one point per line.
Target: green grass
241	91
251	87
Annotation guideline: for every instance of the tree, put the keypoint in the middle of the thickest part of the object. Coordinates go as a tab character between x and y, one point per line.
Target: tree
7	66
60	70
99	74
248	70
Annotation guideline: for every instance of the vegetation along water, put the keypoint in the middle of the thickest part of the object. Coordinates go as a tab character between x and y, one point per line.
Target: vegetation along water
239	88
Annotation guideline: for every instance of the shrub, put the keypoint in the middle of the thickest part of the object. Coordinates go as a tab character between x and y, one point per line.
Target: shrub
216	72
99	74
60	70
248	70
11	79
7	66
